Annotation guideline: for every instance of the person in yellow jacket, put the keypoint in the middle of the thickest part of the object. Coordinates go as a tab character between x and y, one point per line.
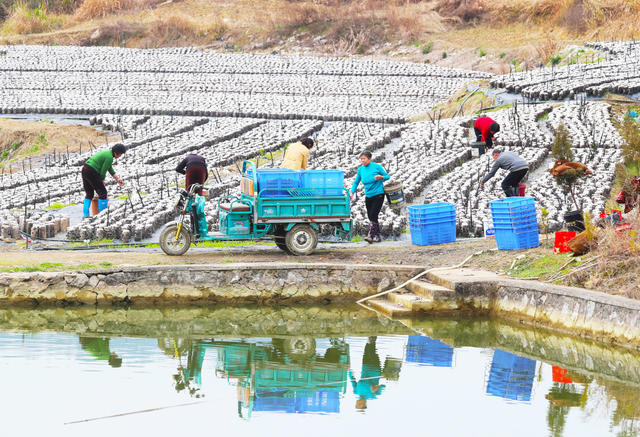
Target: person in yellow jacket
297	155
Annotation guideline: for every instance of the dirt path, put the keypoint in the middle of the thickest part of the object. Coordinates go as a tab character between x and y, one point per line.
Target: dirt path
351	253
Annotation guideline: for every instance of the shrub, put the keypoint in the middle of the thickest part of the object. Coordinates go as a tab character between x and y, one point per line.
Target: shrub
426	49
482	53
631	148
444	55
561	148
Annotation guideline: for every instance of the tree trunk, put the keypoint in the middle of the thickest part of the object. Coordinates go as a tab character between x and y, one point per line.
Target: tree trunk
573	196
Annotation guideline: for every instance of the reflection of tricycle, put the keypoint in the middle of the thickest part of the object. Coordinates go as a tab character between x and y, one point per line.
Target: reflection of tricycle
292	220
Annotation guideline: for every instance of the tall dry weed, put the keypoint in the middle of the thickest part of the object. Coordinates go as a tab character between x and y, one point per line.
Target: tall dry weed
460	10
617	267
413	20
547	48
181	27
101	8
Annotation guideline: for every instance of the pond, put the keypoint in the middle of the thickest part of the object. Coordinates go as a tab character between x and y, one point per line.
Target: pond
305	371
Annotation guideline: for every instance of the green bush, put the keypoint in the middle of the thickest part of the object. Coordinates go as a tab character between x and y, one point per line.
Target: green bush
561	148
555	60
426	49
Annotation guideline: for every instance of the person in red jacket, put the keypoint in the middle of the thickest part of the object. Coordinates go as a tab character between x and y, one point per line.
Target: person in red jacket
485	129
629	197
194	167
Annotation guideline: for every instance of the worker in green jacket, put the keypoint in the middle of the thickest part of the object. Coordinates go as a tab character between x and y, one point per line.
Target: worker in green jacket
93	173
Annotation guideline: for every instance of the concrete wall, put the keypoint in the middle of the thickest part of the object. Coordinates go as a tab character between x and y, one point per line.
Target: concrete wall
229	283
594	314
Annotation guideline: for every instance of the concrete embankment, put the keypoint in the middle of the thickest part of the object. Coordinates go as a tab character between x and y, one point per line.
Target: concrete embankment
589	313
458	292
187	284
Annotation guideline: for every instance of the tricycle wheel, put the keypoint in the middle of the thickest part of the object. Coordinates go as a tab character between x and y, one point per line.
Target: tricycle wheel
300	347
175	246
301	240
282	245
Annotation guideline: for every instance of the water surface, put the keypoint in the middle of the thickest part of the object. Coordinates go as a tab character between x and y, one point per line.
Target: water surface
304	371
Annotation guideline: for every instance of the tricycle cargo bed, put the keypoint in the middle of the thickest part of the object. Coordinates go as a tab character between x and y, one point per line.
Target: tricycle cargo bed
291	209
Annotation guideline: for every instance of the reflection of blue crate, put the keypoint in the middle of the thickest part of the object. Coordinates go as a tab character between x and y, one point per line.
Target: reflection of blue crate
511	376
322	401
514	239
323	182
277	181
425	350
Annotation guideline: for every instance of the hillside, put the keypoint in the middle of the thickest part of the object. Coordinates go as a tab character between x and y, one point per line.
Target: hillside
490	36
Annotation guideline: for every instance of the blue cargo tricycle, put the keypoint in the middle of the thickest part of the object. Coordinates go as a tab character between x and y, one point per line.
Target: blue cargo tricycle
289	216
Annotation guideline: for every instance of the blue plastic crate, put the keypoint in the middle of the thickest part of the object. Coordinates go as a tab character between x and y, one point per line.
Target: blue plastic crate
512	203
441	216
507	218
277	181
434	233
323	182
432	210
519	228
510	239
516	223
423	221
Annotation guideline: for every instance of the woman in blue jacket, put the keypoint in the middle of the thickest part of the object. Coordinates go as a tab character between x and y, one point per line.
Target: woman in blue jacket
371	174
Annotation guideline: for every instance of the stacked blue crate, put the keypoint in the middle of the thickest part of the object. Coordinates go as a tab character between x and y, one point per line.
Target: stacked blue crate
433	223
515	223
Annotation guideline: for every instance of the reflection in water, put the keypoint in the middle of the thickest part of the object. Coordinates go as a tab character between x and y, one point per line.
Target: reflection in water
340	379
428	351
368	387
281	374
99	349
511	376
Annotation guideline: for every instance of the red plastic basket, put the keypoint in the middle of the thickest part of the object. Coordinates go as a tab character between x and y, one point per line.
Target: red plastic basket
561	240
522	188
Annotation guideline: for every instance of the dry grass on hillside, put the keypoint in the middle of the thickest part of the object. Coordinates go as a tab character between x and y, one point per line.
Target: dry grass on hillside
22	138
89	9
23	20
537	28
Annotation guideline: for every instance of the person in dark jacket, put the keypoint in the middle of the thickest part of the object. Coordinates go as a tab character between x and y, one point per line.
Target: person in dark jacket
93	173
194	167
485	129
514	164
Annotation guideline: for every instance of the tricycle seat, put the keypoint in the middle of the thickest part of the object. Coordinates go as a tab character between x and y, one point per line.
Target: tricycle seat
237	207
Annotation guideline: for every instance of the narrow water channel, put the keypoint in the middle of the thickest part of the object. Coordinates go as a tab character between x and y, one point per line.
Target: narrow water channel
304	371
